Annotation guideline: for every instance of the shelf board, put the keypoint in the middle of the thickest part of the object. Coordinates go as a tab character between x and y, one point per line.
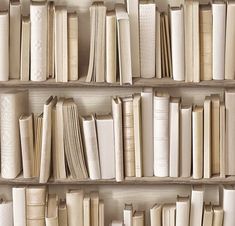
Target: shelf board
137	82
216	180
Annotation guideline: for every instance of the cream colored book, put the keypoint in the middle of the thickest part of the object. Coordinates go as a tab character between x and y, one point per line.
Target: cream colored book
72	46
133	9
101	213
124	45
229	205
182	211
38	17
94	208
6	210
25	49
4	45
128	215
156	215
61	44
15	31
222	140
207	137
215	133
168	214
218	214
62	213
52	210
138	218
118	138
27	145
74	202
208	215
45	165
13	105
91	147
116	223
87	210
158	68
111	47
197	143
19	206
185	140
174	136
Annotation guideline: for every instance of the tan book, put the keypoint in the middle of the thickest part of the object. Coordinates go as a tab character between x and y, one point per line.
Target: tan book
222	140
156	215
94	208
62	213
163	45
208	215
158	63
218	216
52	210
101	213
138	218
87	210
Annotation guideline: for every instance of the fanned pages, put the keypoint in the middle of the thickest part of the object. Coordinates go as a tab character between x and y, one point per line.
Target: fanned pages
229	205
62	214
182	211
156	215
52	210
38	17
13	105
6	210
19	206
128	215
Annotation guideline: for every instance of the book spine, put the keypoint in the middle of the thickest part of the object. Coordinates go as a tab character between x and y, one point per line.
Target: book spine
222	141
158	63
156	217
182	213
128	217
229	206
19	206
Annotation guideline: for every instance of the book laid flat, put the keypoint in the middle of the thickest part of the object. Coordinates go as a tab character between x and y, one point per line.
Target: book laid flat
4	45
38	17
111	47
15	30
138	218
86	210
6	210
51	216
61	44
156	215
91	147
19	203
25	49
105	135
158	63
161	134
218	43
218	216
222	128
208	215
182	211
128	215
229	205
27	145
14	104
177	43
124	45
62	213
147	26
168	214
118	138
94	208
72	46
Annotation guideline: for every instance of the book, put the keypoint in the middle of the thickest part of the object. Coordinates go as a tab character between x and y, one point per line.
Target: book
147	33
185	140
19	204
13	105
94	208
6	212
128	215
105	135
182	211
51	216
101	213
168	214
138	218
15	31
158	66
38	17
177	43
86	210
218	42
161	134
156	215
111	47
124	44
74	202
222	139
218	214
228	205
27	145
197	142
62	213
72	46
174	137
4	45
208	215
61	44
116	223
25	49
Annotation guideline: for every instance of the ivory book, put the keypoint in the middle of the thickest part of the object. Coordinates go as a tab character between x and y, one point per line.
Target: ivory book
158	62
138	218
229	205
182	211
52	210
87	210
168	214
218	216
116	223
101	213
19	206
128	215
208	215
94	208
156	215
222	119
6	210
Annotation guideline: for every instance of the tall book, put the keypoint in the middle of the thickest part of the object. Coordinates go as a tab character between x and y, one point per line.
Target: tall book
229	205
128	215
6	210
208	215
62	213
51	216
218	43
182	211
147	25
168	214
177	43
15	31
138	218
158	63
19	206
161	134
14	104
38	17
222	139
218	215
156	215
134	16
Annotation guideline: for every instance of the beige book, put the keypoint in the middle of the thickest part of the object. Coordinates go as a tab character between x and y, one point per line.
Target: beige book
168	214
101	213
182	211
116	223
138	218
62	213
222	140
6	210
158	69
27	145
215	133
36	195
72	46
208	215
163	47
52	210
218	214
87	210
205	18
74	202
61	44
207	137
25	49
111	47
94	208
156	215
128	215
197	144
13	105
229	205
19	206
15	31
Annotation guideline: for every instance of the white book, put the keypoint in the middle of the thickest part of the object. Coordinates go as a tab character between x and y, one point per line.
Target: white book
174	136
156	215
222	120
182	211
218	216
6	213
116	223
177	43
147	21
147	131
161	134
208	216
38	17
101	213
4	46
87	210
196	210
133	12
185	141
15	32
219	29
158	63
229	205
128	215
168	214
19	206
105	135
91	147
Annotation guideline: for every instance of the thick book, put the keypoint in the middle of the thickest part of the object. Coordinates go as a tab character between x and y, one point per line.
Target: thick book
38	17
138	218
168	214
51	216
218	215
128	215
86	210
229	205
161	134
182	211
94	208
208	216
13	105
19	204
6	213
156	215
62	213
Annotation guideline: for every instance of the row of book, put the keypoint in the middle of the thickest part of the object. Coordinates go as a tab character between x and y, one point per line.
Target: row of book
34	206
